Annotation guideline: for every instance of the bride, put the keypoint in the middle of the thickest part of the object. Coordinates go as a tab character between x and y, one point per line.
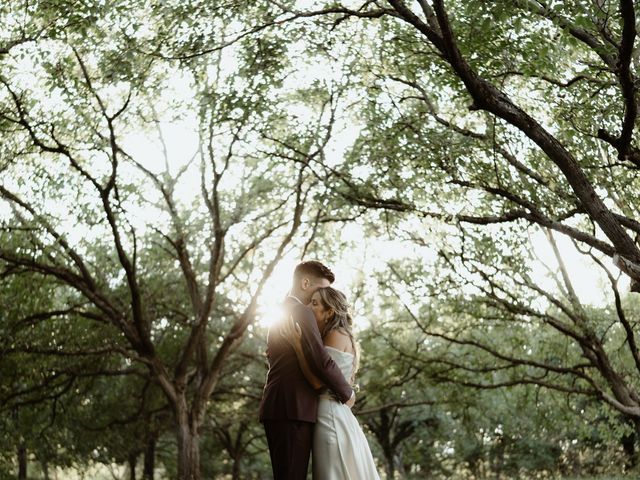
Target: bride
340	449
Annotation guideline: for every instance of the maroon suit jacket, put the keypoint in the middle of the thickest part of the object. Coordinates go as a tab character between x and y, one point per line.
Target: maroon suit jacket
287	394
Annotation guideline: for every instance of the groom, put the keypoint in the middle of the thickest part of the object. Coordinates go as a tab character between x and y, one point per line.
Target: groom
289	404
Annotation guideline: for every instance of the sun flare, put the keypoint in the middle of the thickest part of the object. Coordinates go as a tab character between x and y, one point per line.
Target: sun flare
275	290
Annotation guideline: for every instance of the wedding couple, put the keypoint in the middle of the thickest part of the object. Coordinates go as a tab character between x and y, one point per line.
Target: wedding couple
308	396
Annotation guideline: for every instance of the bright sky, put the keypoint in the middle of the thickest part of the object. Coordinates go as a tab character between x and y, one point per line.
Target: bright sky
589	281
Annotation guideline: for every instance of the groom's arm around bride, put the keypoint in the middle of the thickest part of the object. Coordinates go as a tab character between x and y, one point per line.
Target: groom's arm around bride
319	360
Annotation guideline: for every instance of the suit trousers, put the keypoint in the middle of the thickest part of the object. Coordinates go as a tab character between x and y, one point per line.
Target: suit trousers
290	444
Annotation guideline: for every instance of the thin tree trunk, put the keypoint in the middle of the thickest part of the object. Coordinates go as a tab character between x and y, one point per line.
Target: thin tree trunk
629	447
149	458
499	458
390	464
132	460
22	462
45	469
398	458
236	451
236	472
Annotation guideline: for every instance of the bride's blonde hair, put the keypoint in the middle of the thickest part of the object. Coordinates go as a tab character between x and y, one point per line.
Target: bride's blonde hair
341	320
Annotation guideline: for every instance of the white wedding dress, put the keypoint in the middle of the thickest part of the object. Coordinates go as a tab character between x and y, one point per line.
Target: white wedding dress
340	449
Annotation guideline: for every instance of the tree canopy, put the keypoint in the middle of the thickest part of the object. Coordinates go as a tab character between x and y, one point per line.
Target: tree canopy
470	166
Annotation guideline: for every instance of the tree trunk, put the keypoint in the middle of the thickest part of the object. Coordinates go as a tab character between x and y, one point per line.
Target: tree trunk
22	462
149	458
390	464
629	448
236	451
498	458
236	472
132	460
188	453
398	458
45	469
188	443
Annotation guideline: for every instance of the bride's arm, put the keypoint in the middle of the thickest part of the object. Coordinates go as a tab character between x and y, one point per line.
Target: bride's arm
292	333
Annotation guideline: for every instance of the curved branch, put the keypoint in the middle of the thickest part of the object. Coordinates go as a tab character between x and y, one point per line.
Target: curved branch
487	97
625	76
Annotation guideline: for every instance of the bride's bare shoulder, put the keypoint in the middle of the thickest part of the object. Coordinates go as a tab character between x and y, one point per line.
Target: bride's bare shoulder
339	340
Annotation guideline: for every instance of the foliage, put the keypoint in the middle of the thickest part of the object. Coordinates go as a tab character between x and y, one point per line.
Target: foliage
159	159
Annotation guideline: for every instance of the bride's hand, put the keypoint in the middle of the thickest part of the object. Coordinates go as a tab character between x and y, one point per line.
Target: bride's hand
291	332
352	401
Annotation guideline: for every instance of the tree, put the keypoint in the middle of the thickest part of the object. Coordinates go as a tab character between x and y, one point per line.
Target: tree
482	140
175	250
234	427
127	240
486	414
64	394
599	36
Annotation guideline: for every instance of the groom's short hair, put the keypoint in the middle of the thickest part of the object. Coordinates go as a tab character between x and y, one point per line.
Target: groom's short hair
313	268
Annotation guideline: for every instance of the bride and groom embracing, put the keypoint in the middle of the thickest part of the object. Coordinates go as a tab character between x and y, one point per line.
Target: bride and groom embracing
307	399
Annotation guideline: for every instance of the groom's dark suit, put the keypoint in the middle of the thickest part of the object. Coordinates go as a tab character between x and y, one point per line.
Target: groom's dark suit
289	406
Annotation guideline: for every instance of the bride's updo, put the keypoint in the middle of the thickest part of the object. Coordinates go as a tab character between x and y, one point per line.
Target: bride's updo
342	318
